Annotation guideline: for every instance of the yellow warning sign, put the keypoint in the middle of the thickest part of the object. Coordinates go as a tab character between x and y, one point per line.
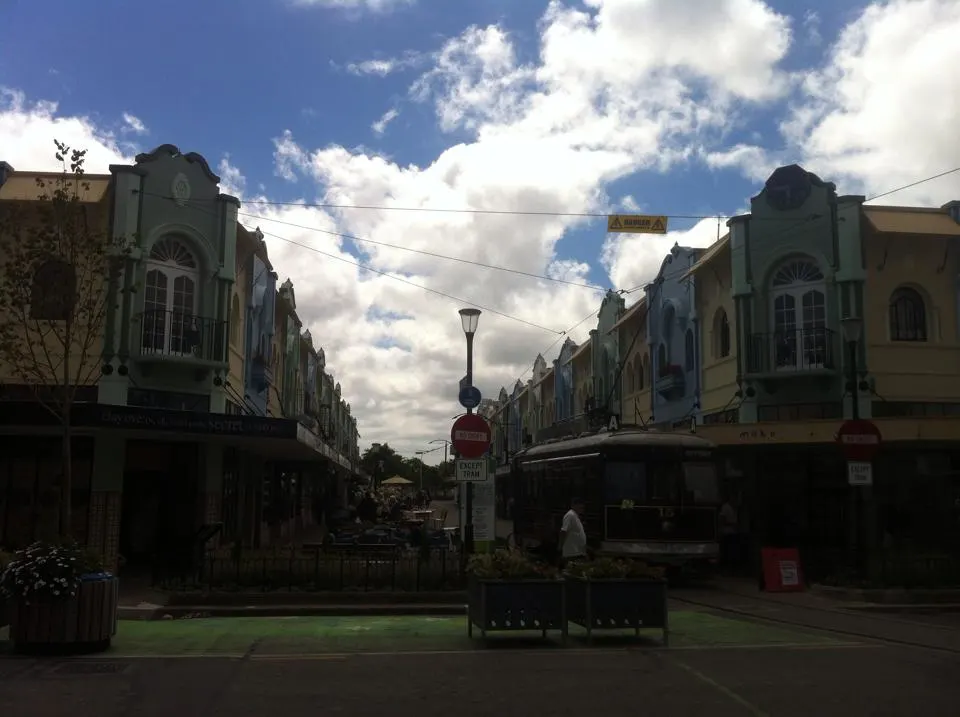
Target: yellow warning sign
636	224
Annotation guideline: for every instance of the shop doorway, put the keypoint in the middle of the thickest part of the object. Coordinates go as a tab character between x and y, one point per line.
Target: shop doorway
160	512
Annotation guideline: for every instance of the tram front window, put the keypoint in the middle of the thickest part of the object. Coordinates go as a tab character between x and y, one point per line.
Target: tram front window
700	483
625	481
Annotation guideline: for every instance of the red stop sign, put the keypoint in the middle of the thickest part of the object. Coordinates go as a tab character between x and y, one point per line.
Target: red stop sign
470	436
859	440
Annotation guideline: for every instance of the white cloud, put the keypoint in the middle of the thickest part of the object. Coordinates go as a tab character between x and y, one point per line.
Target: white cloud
380	126
381	68
617	87
372	5
134	124
883	111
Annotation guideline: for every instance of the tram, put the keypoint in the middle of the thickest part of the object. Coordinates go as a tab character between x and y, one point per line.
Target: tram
648	495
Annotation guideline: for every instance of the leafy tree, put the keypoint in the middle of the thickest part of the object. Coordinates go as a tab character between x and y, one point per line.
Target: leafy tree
380	461
55	270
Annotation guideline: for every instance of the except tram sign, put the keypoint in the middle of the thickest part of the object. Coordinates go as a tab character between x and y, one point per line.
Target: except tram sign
470	436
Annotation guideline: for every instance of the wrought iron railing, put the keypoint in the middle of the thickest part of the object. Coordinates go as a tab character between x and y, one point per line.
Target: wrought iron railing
377	568
178	333
801	349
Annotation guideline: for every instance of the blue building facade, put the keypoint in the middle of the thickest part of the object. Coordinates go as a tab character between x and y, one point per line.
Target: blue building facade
673	334
563	382
260	330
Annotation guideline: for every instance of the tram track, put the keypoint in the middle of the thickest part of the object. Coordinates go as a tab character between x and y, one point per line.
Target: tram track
819	626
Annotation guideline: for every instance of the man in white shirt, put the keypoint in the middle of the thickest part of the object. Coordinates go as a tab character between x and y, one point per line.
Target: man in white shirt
573	538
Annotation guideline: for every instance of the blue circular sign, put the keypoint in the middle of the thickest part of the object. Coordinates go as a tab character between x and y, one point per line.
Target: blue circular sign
470	397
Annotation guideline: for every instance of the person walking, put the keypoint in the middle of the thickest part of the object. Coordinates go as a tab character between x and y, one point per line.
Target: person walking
573	538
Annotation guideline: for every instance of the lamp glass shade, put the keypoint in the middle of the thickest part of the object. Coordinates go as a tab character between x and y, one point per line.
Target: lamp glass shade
470	318
852	328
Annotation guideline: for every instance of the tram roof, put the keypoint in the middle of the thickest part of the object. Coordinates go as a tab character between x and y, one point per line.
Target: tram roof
616	439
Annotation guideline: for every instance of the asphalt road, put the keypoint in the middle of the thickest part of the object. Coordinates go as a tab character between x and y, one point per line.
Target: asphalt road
775	681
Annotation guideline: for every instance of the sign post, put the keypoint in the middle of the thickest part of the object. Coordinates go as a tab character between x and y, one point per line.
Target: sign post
470	437
859	440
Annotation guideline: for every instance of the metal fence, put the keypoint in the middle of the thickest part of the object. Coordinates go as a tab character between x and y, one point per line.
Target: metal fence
884	569
305	569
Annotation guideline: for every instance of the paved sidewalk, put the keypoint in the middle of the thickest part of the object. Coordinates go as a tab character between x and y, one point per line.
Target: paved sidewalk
813	611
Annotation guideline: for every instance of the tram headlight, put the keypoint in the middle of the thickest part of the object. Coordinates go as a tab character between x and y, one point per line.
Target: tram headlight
667	526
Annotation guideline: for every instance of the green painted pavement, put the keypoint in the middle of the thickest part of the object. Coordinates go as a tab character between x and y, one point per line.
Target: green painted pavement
262	636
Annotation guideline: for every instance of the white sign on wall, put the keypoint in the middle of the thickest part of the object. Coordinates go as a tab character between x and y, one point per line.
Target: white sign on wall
472	470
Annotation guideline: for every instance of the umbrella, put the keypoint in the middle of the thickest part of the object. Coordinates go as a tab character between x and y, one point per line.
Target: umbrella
397	480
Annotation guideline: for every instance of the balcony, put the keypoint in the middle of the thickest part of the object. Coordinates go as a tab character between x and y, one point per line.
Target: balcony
261	375
792	351
166	335
671	381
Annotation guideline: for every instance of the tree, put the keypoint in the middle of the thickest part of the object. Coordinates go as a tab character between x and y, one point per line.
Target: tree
56	274
380	461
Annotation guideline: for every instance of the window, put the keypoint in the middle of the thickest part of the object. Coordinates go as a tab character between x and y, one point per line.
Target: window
799	338
53	291
721	334
631	374
662	358
170	324
645	371
908	316
688	351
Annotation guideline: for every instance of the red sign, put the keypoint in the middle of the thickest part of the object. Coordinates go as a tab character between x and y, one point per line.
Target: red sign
781	570
859	440
470	436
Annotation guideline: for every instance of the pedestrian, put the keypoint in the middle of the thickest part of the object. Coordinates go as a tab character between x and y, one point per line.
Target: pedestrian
573	538
729	528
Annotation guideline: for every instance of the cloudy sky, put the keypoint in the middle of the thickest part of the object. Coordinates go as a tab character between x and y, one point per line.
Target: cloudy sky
494	129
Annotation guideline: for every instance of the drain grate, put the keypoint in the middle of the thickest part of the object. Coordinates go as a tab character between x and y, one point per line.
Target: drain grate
89	667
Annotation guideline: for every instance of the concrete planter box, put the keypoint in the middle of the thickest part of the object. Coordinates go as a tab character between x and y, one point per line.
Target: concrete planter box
84	623
617	604
515	605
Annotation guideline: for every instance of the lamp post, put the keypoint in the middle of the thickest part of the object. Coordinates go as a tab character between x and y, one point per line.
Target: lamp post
420	456
852	330
469	318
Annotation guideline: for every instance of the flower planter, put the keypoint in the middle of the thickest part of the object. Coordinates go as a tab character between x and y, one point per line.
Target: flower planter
84	623
617	604
515	605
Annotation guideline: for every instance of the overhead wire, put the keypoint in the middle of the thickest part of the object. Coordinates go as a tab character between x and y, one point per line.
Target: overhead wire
400	279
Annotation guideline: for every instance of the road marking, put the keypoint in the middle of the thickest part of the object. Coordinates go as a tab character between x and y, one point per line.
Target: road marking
724	690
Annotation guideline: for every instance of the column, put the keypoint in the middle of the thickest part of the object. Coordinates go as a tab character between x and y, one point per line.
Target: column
210	488
106	497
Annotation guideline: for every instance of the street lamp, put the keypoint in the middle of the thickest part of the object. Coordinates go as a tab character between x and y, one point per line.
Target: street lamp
852	331
420	455
469	318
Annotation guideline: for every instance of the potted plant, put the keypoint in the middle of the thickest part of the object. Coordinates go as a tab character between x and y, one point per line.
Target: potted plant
612	594
61	599
506	591
5	559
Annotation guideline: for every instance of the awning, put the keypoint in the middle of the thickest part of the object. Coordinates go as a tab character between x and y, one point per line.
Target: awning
912	220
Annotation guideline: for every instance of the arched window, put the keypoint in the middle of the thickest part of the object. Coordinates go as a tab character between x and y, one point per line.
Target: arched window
908	316
236	322
799	339
170	323
641	369
661	359
721	334
53	292
688	351
645	371
631	374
